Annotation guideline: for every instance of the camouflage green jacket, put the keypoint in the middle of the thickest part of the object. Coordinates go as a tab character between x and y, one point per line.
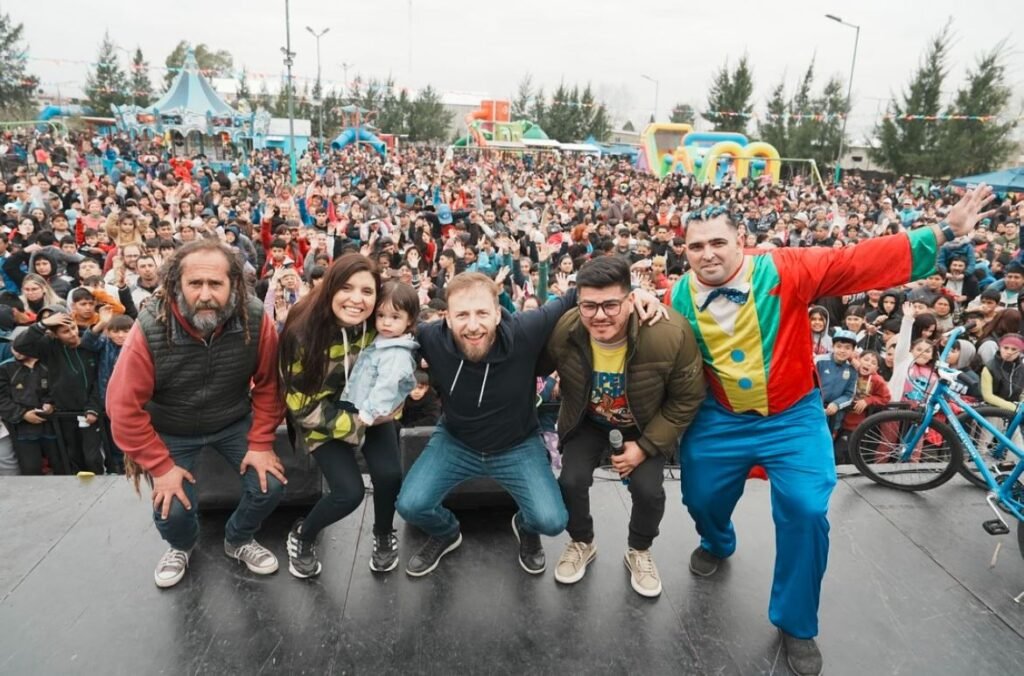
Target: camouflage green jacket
320	416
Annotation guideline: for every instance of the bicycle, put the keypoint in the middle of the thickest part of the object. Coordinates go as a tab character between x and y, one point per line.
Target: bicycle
916	449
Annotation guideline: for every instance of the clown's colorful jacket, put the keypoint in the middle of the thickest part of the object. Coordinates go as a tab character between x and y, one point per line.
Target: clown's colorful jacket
757	354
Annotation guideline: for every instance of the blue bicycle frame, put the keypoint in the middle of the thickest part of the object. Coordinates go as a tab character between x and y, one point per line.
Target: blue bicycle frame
939	400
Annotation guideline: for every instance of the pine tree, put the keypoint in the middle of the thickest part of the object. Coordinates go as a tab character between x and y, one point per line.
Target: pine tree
718	97
683	113
394	110
539	109
831	105
742	94
216	63
242	93
106	86
975	146
799	134
914	146
429	120
628	126
524	94
559	117
731	93
138	82
773	129
17	87
600	126
264	100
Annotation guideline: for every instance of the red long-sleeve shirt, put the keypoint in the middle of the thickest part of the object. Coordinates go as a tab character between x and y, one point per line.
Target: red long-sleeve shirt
131	386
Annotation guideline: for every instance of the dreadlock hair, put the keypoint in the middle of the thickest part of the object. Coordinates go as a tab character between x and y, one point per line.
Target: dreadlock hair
170	282
167	296
311	326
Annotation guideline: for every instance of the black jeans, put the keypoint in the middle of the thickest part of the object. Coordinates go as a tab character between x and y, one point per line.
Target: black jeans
82	445
581	455
32	445
337	461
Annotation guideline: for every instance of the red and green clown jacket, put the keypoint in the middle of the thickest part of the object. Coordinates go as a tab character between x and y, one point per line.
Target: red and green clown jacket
757	354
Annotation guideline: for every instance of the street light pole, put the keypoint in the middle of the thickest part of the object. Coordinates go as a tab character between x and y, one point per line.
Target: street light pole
319	85
849	90
657	86
289	56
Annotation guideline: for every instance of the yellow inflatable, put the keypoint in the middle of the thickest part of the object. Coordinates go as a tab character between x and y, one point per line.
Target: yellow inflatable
729	149
760	150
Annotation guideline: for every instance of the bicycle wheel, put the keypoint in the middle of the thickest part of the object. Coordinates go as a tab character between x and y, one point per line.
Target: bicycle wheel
995	456
1020	536
877	446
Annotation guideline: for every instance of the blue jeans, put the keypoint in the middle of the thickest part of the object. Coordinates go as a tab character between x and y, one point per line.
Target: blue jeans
523	470
181	527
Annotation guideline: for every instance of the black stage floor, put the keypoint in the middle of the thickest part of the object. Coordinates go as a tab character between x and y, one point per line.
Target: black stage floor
909	590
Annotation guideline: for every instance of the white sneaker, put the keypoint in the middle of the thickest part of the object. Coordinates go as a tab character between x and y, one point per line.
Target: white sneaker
171	567
255	556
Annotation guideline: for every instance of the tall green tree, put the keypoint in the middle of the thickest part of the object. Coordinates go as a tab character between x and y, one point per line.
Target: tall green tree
683	113
772	129
395	110
831	106
138	80
429	120
539	108
263	99
559	121
218	63
242	93
17	86
107	85
976	146
524	95
915	146
731	92
800	134
600	126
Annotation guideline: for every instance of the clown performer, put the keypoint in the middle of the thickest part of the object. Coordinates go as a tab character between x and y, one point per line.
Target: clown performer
749	313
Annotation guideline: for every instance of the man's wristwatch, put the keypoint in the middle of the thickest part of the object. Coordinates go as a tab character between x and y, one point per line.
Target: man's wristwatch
947	231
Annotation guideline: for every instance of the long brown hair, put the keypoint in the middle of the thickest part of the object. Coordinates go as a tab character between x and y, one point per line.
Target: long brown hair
311	326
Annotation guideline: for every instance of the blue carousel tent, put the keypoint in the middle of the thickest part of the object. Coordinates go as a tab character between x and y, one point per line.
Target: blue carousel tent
194	118
1002	181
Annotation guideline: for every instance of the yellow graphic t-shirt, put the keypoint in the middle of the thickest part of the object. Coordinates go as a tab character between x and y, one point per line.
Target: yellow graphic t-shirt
608	406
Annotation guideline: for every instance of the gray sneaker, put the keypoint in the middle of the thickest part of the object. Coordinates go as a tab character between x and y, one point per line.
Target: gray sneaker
572	566
643	574
803	655
255	556
171	567
703	562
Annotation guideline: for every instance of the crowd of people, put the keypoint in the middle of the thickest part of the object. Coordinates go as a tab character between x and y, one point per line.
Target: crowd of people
158	307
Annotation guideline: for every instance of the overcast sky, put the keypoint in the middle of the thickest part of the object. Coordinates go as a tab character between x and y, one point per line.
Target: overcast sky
487	47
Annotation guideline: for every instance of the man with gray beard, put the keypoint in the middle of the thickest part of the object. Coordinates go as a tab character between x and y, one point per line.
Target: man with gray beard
199	369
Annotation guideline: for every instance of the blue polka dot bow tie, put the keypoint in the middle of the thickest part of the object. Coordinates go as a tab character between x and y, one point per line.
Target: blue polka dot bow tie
735	295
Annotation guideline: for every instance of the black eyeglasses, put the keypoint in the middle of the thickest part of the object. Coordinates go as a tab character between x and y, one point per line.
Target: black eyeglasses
611	308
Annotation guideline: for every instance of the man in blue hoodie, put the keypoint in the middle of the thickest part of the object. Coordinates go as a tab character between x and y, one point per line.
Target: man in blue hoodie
483	364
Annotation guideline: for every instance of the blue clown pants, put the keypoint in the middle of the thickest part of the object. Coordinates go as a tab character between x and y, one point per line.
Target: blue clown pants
795	448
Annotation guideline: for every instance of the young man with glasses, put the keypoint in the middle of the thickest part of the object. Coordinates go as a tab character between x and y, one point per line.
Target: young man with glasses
645	382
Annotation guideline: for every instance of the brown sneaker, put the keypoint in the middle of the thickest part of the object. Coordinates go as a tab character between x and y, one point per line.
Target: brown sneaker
643	574
572	566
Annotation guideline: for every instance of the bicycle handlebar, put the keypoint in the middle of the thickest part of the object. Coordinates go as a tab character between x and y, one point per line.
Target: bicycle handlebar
951	339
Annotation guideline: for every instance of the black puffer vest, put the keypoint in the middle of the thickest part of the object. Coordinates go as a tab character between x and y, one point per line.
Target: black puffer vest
200	387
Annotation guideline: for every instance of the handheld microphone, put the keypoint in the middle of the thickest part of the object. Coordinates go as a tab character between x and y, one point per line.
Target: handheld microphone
615	441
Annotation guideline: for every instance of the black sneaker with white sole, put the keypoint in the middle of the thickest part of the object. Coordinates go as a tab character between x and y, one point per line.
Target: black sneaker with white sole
385	553
302	560
426	559
531	552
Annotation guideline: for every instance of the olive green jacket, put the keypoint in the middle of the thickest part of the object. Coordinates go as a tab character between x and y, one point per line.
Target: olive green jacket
664	378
